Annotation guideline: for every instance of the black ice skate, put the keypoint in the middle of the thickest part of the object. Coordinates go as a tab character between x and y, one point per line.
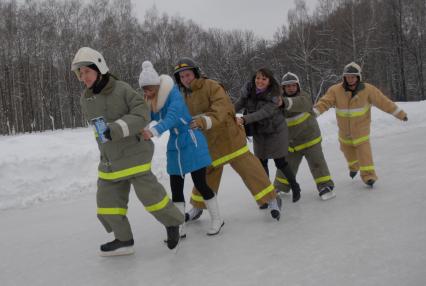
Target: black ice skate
172	236
327	193
193	214
352	174
370	182
117	247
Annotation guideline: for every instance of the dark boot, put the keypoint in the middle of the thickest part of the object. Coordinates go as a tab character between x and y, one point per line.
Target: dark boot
117	247
370	182
352	174
295	188
193	214
172	236
264	206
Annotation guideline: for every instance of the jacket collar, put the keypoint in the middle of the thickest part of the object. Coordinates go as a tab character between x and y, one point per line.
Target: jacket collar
197	83
109	87
166	85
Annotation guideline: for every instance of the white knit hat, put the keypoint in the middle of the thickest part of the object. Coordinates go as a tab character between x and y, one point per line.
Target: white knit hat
149	75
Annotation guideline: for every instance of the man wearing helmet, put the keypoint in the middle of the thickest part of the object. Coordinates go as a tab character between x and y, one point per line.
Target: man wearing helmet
352	100
304	138
119	112
213	113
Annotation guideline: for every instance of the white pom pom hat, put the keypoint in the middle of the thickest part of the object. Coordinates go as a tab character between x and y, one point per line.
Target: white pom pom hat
149	75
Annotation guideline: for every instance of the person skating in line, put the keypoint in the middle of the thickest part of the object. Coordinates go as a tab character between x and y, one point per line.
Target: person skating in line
304	138
352	100
214	114
119	112
187	150
260	97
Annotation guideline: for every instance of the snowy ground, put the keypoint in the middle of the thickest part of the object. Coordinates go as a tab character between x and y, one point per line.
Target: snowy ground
50	234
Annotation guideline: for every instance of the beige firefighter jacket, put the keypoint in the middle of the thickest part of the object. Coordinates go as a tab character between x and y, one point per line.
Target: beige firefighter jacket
353	112
209	101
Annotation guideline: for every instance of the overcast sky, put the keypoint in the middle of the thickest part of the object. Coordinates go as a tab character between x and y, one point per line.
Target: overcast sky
261	17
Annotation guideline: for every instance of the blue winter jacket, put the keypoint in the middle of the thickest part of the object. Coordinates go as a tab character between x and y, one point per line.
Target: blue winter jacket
187	149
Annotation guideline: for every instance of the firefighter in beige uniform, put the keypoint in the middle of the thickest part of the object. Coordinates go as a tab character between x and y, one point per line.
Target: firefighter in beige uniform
352	100
214	114
304	138
125	159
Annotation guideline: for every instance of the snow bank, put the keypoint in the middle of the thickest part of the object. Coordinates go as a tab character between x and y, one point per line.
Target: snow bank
63	164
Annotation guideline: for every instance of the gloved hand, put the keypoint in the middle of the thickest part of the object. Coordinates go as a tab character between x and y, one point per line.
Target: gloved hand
107	133
405	118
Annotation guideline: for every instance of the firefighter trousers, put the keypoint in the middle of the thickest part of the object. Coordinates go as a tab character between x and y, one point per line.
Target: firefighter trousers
360	158
317	165
112	199
251	172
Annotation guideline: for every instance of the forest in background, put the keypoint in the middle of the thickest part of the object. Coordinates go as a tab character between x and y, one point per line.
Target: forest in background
38	40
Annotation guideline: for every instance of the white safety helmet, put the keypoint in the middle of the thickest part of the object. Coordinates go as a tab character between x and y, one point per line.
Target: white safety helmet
87	56
290	78
352	69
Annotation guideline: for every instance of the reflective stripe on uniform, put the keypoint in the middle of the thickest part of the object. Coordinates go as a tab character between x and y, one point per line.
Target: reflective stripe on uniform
124	127
352	112
126	172
354	141
305	145
352	163
112	211
264	192
197	198
158	206
229	157
367	168
322	179
296	120
282	180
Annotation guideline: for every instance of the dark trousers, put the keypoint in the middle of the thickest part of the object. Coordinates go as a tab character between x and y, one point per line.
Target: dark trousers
199	179
280	163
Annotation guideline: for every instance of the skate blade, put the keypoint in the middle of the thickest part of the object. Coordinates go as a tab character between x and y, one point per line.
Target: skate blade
217	232
118	252
176	249
181	237
328	196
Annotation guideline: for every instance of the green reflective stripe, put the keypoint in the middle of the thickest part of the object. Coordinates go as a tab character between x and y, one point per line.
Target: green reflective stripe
296	121
352	163
367	168
282	180
125	172
264	192
353	112
323	179
196	198
354	141
112	211
305	146
158	206
231	156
